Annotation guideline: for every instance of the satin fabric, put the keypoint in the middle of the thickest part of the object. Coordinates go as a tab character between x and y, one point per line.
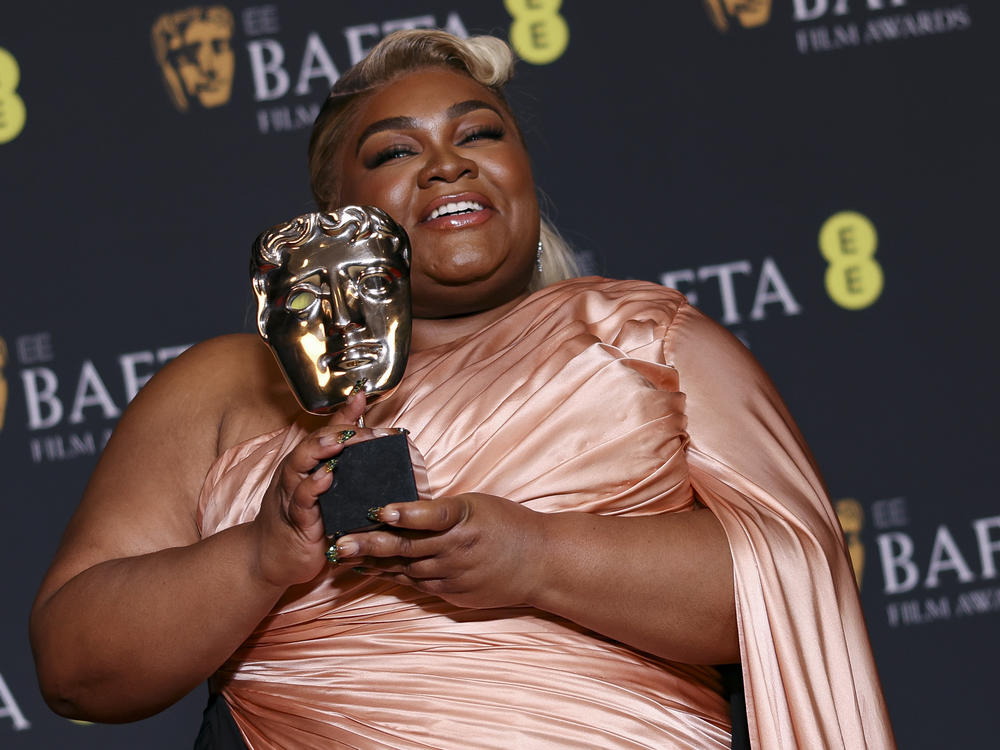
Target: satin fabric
592	395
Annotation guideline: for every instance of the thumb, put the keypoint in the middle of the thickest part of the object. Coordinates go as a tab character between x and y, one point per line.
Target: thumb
352	410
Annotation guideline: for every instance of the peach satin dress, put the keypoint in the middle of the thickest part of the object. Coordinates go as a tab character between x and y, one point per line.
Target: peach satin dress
607	397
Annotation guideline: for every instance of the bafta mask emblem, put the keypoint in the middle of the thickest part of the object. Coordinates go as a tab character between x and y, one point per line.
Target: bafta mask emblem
747	13
193	49
333	303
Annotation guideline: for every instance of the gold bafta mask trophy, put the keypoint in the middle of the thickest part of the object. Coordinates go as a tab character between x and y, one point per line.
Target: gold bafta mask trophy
333	304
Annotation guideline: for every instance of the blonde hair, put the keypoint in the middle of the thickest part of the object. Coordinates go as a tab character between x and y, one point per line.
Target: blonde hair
485	59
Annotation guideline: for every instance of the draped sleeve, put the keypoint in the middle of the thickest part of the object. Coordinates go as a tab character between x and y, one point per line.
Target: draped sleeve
808	670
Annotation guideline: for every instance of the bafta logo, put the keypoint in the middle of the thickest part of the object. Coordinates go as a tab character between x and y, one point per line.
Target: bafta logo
852	520
747	13
193	49
3	382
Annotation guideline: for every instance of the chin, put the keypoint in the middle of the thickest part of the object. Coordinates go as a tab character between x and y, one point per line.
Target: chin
446	301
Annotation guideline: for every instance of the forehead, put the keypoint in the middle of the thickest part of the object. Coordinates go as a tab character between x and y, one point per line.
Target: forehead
203	30
335	255
423	93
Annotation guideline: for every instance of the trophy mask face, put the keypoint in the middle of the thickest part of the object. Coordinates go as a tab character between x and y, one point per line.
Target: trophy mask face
336	310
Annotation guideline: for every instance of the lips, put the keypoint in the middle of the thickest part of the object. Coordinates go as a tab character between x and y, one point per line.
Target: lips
457	210
451	209
353	356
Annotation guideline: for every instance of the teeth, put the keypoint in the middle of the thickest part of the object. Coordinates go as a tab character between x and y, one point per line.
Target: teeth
455	208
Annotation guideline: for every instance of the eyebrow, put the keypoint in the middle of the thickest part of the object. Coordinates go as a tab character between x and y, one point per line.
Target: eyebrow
410	123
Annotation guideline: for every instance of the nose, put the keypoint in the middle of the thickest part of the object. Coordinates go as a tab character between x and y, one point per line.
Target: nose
340	315
205	57
445	164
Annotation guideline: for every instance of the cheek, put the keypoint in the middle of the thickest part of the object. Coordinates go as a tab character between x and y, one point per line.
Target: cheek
380	189
515	177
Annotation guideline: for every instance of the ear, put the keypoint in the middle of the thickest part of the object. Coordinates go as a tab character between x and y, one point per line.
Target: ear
258	284
262	311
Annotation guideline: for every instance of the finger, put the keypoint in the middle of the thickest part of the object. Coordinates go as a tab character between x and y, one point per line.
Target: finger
353	409
421	569
334	438
302	506
439	514
329	440
320	445
386	544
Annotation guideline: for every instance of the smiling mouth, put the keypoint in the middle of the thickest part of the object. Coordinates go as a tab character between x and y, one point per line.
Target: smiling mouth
455	209
352	357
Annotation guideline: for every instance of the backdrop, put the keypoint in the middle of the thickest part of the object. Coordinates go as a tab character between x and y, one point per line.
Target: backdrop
815	174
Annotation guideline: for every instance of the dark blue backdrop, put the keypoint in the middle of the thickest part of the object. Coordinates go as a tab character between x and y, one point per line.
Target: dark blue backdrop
129	206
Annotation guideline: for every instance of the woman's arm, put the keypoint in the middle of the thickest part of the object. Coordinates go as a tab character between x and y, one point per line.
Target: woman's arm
136	609
660	583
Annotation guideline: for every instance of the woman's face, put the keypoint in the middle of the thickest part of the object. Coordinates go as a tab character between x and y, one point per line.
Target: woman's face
443	157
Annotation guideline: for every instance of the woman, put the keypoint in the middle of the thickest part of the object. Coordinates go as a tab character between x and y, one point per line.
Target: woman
620	498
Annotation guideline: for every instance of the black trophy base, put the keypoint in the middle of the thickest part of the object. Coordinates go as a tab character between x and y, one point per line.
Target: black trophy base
368	475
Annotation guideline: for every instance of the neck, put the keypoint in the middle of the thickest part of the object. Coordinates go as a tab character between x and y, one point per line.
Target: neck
428	332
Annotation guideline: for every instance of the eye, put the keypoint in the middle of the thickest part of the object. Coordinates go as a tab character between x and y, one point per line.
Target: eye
300	300
376	284
397	151
482	133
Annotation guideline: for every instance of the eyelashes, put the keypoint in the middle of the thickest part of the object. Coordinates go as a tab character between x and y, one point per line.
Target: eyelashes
401	150
388	154
483	132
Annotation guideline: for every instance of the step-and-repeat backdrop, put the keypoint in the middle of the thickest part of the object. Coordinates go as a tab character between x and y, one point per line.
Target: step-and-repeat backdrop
818	175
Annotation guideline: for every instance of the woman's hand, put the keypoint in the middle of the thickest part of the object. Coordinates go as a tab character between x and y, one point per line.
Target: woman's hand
472	550
291	541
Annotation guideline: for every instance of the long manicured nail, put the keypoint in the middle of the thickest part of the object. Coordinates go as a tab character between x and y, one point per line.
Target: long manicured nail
331	554
359	386
382	515
330	465
344	435
347	549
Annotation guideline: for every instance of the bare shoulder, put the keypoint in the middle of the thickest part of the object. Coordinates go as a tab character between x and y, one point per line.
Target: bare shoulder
228	384
247	385
143	494
220	364
172	428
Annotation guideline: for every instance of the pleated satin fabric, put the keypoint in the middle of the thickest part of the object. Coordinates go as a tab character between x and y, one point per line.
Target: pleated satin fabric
592	395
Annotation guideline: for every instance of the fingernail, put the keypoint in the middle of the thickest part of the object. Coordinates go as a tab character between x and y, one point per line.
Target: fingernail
347	549
330	465
344	435
331	554
382	515
402	430
359	386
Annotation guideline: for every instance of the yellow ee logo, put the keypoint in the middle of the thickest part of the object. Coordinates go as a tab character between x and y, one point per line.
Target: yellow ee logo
854	278
12	111
539	34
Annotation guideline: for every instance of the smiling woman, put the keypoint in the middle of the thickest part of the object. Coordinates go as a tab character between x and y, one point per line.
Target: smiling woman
619	500
436	150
